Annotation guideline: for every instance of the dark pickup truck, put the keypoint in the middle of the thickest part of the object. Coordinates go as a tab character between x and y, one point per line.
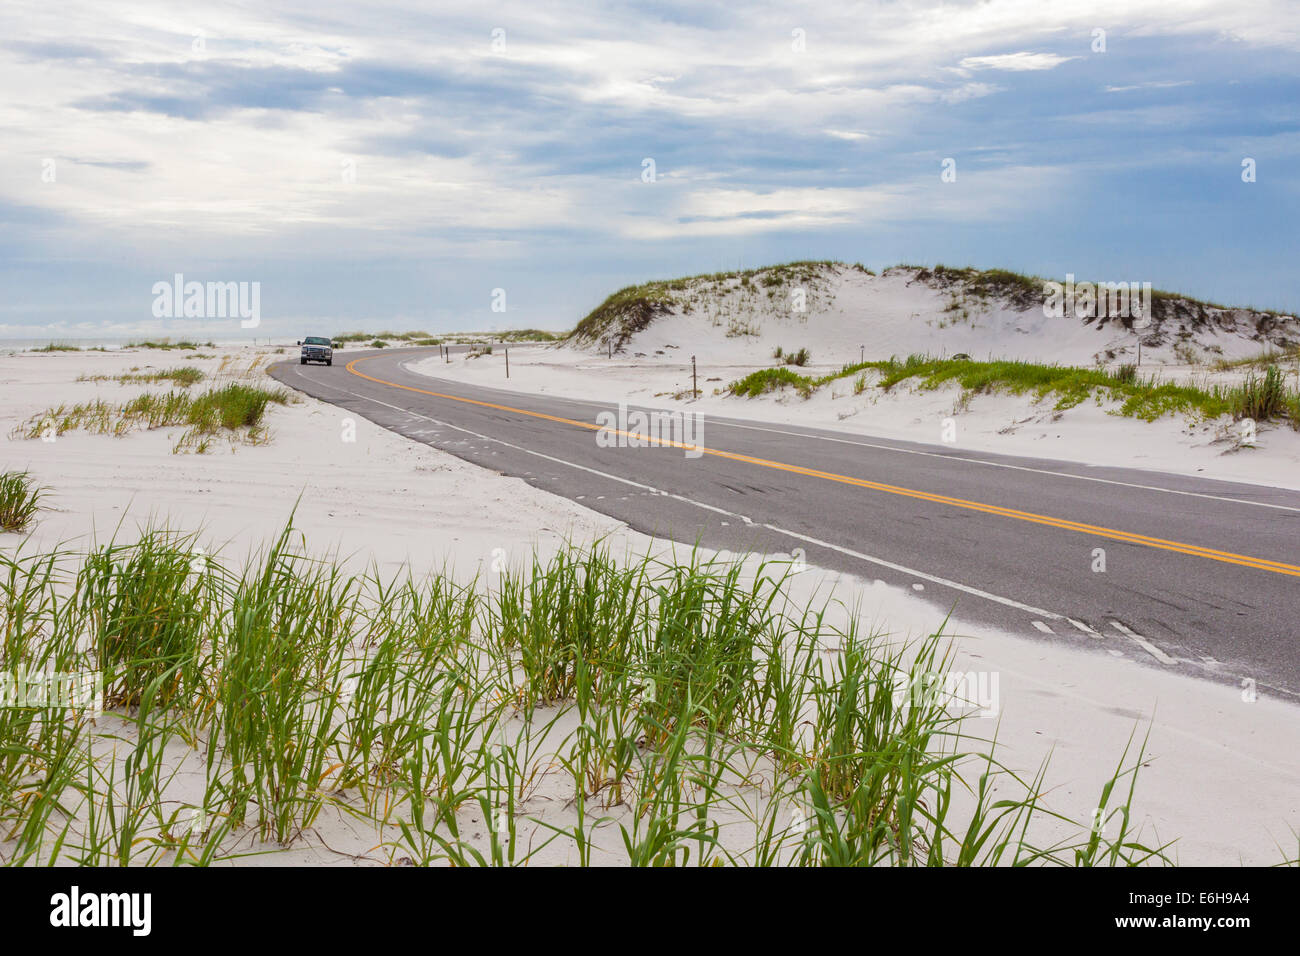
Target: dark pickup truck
316	349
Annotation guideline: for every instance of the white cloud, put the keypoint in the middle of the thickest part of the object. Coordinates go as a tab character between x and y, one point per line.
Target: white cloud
1016	62
450	138
717	211
1154	85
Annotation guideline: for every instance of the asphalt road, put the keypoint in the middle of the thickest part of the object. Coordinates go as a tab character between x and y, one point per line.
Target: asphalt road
1201	577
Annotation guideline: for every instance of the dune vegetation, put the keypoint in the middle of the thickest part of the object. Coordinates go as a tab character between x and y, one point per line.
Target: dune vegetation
184	376
1262	397
235	410
651	713
510	336
632	308
20	499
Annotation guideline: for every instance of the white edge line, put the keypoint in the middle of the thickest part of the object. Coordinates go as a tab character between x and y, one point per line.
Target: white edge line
917	451
1155	651
955	585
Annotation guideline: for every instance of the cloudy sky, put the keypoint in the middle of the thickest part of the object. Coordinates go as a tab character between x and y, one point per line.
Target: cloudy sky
385	164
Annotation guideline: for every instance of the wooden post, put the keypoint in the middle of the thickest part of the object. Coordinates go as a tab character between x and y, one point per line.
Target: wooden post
695	390
507	361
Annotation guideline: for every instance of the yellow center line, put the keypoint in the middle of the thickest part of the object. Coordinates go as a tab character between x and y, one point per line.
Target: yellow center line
1228	557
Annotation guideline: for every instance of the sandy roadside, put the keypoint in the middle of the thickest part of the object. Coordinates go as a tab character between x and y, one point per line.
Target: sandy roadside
1221	774
1007	424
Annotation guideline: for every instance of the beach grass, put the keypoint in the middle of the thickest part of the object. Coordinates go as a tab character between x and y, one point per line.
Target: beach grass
20	499
235	409
167	345
184	376
1261	397
693	715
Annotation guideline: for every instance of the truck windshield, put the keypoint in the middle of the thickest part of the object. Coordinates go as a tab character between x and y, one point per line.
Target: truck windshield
315	340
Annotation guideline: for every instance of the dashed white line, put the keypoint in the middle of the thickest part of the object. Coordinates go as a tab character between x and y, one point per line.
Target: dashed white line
1085	628
1042	627
1143	643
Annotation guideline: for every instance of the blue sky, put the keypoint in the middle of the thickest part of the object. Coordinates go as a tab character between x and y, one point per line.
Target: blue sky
391	164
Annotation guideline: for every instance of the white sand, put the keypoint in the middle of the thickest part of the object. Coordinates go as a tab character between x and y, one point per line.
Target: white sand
1221	774
1089	433
732	330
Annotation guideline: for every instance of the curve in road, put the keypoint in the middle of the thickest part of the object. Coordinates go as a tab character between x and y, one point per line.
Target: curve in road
1200	576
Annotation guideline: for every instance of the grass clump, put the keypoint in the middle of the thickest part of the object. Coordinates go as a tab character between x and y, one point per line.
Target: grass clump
167	344
19	500
1145	399
1263	397
149	609
184	376
280	686
800	358
231	407
770	380
58	347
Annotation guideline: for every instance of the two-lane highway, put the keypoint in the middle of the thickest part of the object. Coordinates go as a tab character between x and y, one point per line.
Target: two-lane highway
1201	577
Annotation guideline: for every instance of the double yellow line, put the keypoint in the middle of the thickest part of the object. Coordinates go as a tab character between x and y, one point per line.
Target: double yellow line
1228	557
